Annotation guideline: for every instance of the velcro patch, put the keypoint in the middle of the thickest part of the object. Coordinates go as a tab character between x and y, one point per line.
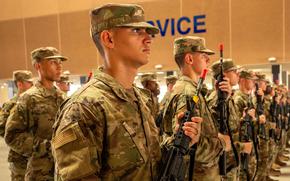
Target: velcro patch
63	138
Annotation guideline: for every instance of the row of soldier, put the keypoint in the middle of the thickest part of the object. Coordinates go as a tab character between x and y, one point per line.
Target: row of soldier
106	130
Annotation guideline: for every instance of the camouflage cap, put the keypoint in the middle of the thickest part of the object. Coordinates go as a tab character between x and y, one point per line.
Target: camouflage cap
45	53
64	78
247	74
22	75
148	77
261	77
119	15
171	79
228	65
190	44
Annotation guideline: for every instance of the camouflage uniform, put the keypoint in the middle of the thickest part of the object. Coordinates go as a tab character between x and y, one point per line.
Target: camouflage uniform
17	162
105	130
155	105
89	125
64	78
29	126
241	102
263	168
233	119
209	146
171	79
29	129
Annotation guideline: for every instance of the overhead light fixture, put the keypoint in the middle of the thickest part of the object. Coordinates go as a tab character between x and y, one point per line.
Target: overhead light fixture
272	59
158	67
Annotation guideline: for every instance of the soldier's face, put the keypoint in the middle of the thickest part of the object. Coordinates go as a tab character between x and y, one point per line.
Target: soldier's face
50	69
154	87
131	45
233	76
262	85
200	61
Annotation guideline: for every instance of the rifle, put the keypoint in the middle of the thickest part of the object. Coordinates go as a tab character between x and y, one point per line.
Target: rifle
260	111
275	111
247	133
245	136
172	165
223	121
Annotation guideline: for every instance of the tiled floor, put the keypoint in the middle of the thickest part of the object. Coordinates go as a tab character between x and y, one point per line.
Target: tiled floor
5	174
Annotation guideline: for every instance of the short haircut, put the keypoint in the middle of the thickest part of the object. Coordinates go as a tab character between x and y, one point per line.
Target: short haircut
179	59
96	39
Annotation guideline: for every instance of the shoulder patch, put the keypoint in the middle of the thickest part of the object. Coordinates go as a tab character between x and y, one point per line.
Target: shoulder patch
63	138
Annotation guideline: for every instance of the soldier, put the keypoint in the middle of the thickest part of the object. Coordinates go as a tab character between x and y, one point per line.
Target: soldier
149	82
230	77
106	131
264	128
64	83
17	163
243	102
192	56
29	126
170	82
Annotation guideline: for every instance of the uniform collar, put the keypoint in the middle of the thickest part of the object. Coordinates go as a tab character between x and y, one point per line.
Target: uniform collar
115	86
46	92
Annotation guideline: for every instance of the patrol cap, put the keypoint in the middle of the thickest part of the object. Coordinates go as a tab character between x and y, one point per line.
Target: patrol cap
247	74
22	75
45	53
119	15
261	77
64	78
188	44
171	79
148	77
228	65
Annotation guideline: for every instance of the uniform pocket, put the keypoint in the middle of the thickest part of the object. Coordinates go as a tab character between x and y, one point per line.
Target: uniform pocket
125	151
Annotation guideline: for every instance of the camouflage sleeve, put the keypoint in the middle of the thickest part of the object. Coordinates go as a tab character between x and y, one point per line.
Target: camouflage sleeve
77	142
239	103
4	114
209	147
18	132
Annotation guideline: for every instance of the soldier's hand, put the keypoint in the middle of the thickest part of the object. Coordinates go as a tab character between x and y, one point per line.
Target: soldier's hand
252	113
225	86
191	129
272	125
248	146
227	140
260	92
262	119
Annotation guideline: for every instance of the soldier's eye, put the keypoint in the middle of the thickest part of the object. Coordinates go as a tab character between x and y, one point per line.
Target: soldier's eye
137	30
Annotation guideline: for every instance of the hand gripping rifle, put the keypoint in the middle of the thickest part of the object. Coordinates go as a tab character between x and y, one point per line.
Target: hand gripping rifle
223	120
247	133
260	111
173	167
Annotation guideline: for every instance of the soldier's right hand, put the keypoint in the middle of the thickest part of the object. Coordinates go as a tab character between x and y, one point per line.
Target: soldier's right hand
252	113
191	129
227	140
248	146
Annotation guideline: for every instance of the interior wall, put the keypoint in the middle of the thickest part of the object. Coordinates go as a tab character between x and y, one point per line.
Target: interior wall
251	31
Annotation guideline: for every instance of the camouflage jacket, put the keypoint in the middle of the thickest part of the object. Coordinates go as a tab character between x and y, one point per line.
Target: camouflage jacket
7	107
233	121
209	146
5	112
106	131
29	126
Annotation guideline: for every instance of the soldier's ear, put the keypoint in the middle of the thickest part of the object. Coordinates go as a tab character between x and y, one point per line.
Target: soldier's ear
36	66
106	38
188	59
